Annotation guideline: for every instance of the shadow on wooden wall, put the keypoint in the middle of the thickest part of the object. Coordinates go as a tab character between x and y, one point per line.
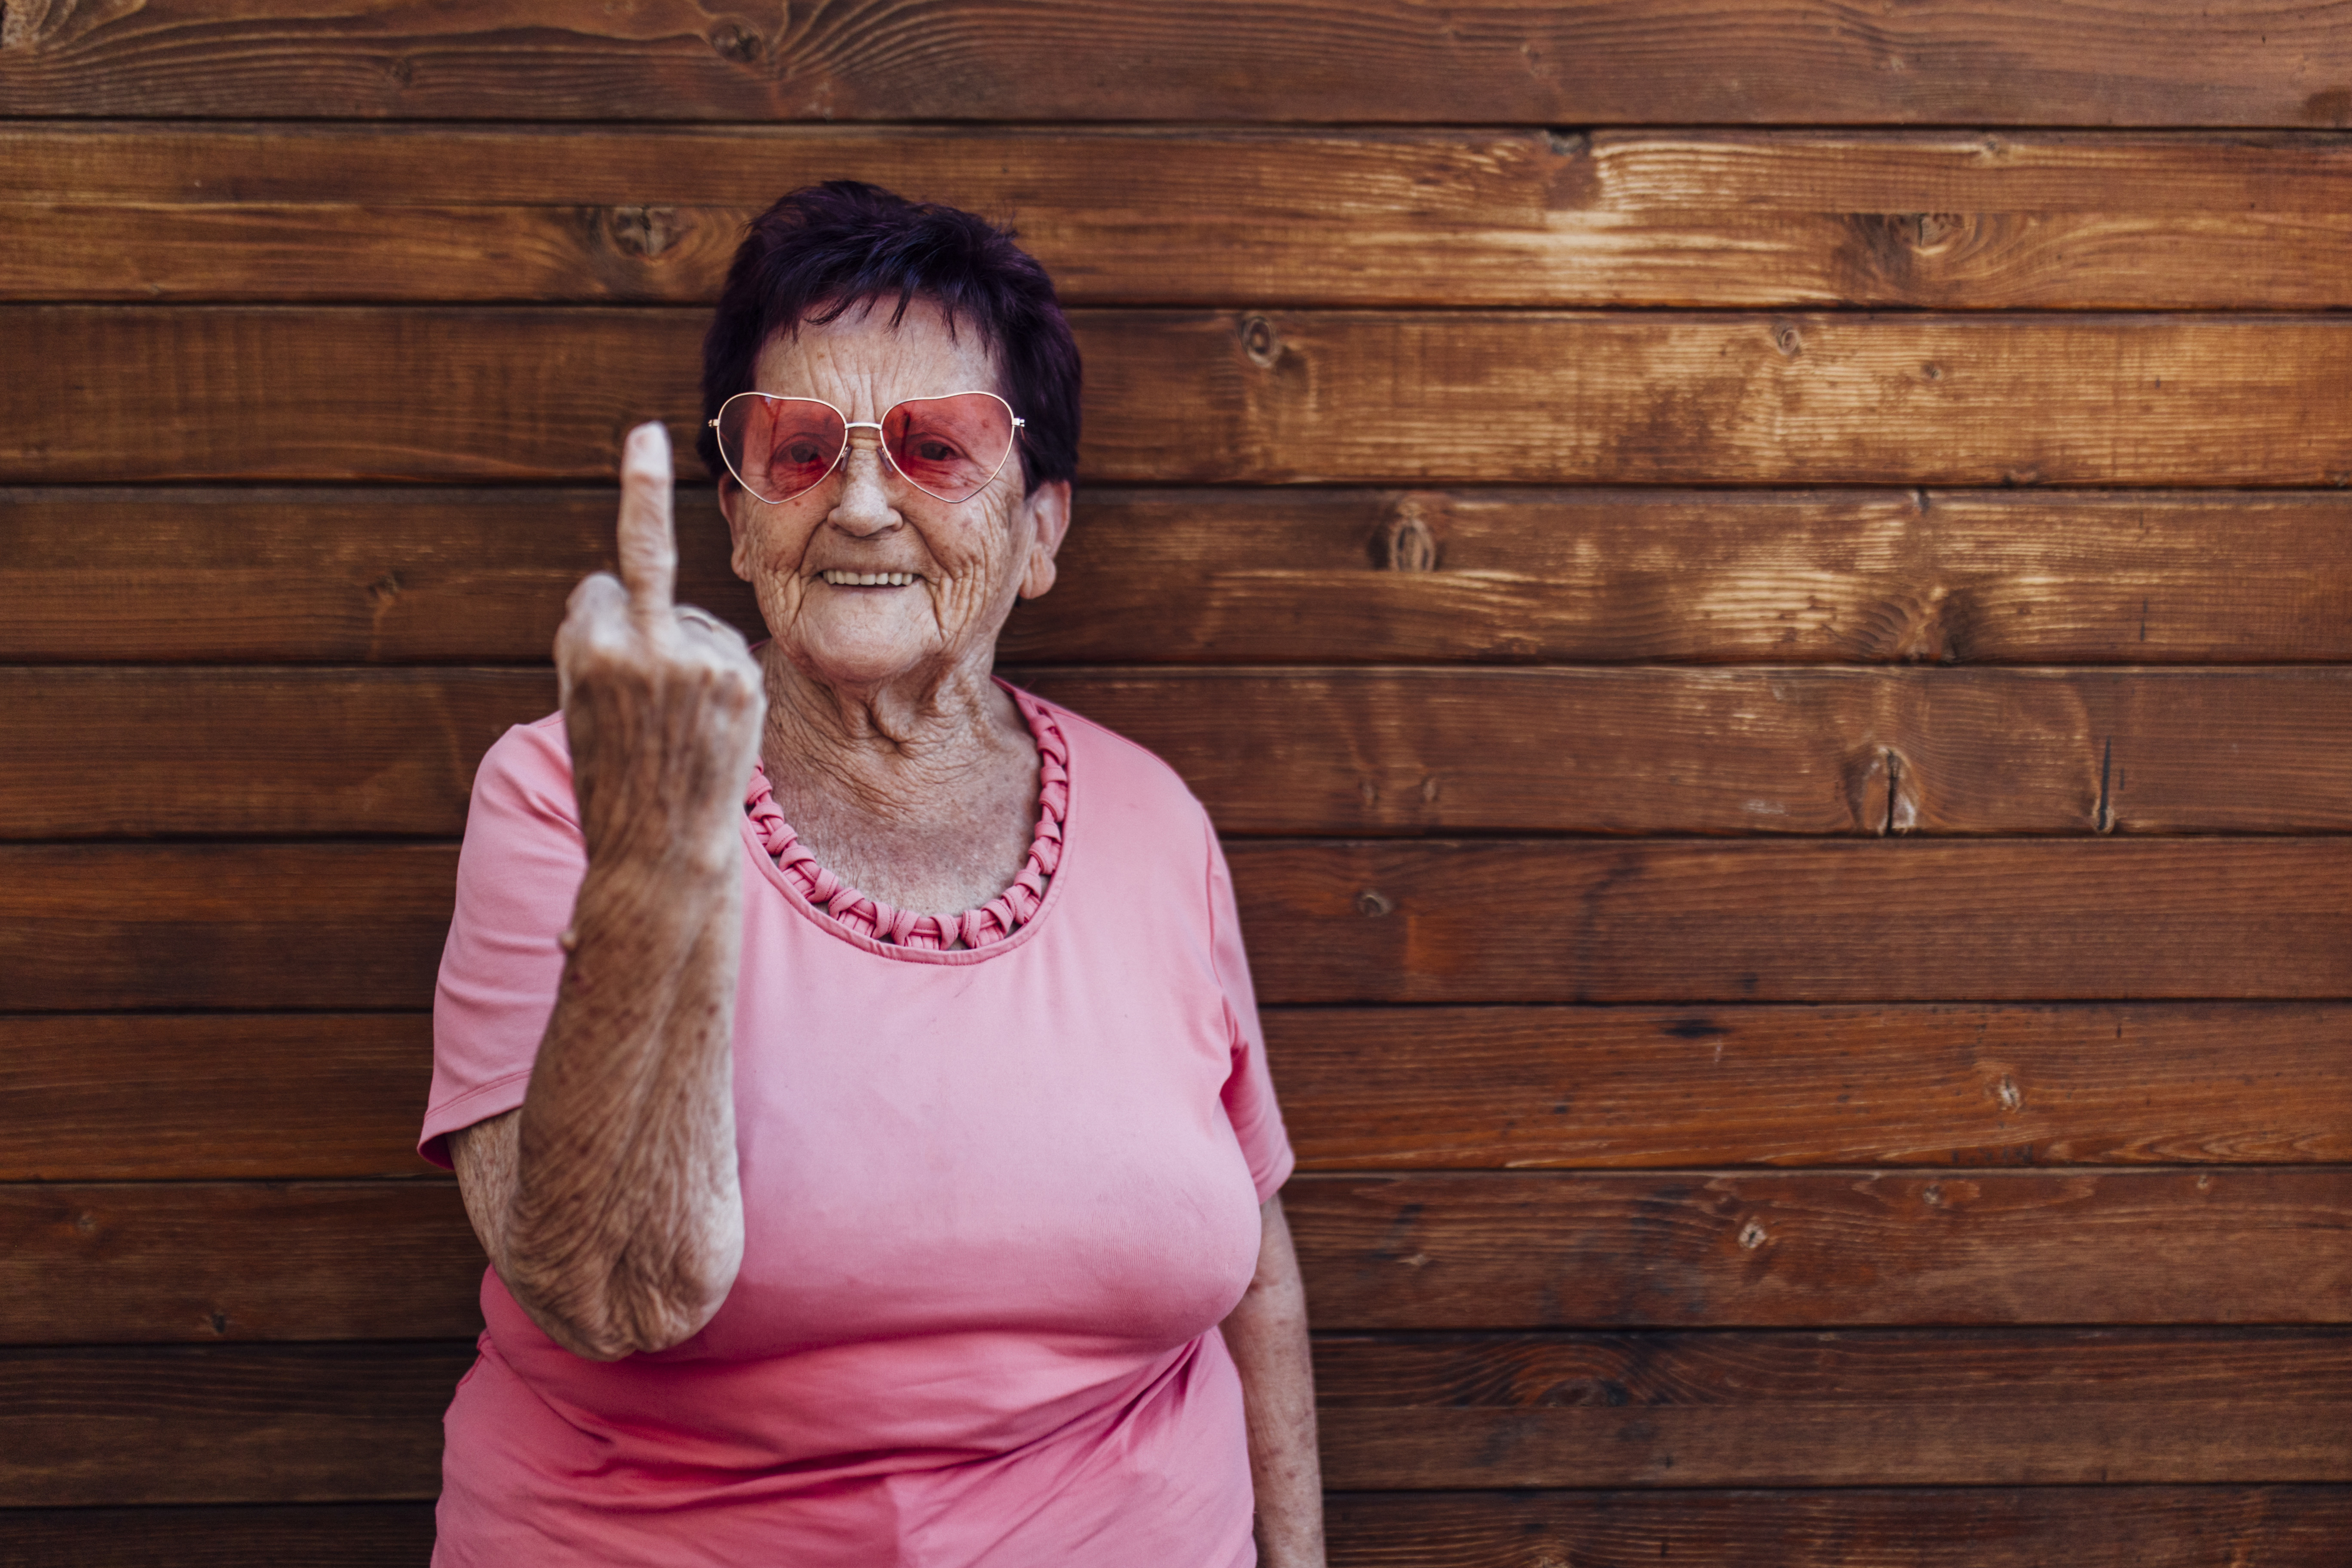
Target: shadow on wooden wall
1778	691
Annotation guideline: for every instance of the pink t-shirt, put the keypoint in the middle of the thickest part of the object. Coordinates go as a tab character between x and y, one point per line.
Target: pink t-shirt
996	1200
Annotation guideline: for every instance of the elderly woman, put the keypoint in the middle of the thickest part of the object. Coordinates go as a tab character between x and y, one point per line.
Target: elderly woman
848	1060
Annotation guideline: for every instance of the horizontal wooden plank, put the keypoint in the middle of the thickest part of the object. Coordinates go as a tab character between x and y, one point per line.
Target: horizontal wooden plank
272	1424
1339	576
224	1423
205	1261
1947	220
147	1096
360	927
1831	921
1789	750
298	1535
209	1260
253	750
343	575
1627	1088
1279	397
325	926
1788	1249
1989	1408
1753	61
162	1096
1959	1527
1680	751
1968	1527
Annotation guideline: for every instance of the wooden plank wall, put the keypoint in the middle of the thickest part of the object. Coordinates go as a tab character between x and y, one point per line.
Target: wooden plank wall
1760	586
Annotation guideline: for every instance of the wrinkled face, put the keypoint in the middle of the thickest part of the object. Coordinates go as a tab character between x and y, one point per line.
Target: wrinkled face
950	573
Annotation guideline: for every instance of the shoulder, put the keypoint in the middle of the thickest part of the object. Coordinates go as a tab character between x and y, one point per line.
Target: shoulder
525	775
1111	768
1121	783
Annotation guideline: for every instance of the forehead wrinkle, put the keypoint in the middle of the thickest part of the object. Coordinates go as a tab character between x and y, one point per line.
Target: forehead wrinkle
861	363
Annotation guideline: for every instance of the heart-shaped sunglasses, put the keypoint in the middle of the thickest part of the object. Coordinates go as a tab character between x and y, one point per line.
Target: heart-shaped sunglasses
948	447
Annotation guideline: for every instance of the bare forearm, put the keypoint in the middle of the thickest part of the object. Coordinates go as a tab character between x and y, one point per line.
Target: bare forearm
626	1225
1266	1334
609	1202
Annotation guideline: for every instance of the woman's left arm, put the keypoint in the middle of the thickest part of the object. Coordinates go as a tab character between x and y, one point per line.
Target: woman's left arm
1266	1334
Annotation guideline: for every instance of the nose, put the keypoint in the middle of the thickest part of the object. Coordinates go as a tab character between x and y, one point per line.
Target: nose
864	508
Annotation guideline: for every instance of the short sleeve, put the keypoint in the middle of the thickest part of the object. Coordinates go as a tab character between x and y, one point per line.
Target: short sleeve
1249	1099
518	877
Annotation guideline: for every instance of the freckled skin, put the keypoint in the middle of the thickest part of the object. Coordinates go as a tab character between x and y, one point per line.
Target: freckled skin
608	1202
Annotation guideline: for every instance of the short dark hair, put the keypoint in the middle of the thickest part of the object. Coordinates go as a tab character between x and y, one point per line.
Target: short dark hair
830	249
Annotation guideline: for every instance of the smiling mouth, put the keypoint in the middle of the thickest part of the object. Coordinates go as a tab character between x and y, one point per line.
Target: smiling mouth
870	579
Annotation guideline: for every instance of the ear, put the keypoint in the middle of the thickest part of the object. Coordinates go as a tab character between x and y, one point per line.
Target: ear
732	499
1044	520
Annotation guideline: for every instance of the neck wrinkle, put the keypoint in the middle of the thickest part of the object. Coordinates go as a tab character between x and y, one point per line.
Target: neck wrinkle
894	754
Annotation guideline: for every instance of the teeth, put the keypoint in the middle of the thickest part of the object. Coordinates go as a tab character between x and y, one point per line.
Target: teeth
870	579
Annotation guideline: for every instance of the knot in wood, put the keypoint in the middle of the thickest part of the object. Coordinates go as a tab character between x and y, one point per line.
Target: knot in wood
1260	341
1407	543
735	42
1372	904
1931	231
1788	339
1568	143
28	23
1753	1235
642	232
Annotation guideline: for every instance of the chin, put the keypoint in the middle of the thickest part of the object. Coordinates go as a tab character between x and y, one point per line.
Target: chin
862	655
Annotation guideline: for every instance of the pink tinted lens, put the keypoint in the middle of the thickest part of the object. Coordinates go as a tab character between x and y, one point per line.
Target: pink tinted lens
780	447
948	446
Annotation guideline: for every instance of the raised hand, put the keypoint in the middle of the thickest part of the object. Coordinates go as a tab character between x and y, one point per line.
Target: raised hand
662	703
609	1203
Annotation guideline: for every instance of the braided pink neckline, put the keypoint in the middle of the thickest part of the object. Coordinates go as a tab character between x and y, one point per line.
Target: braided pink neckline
994	921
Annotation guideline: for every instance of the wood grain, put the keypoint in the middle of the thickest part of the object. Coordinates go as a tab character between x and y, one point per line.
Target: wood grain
322	926
1612	575
2056	62
300	1535
1947	220
210	1260
1278	397
151	1096
83	1428
2041	1407
104	928
1786	751
350	575
1737	752
207	1261
441	575
273	1424
1628	1087
162	1096
1790	1250
252	751
1835	920
1972	1527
